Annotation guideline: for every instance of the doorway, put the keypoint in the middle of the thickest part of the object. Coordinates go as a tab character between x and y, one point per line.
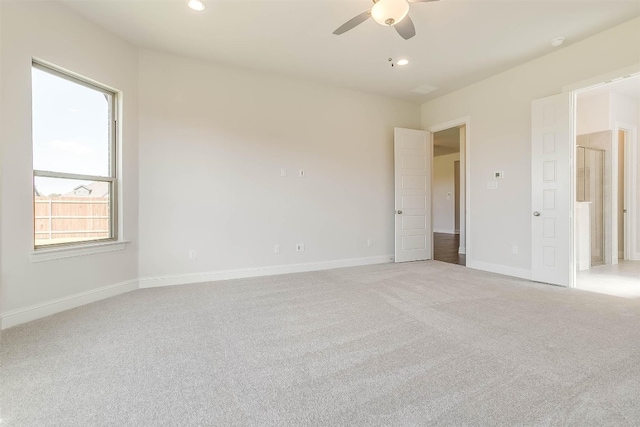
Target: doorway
606	189
448	195
625	194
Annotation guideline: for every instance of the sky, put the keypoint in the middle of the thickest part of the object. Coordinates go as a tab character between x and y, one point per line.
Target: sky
70	131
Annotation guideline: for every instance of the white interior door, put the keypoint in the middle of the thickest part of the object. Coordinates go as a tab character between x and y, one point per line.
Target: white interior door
412	156
551	189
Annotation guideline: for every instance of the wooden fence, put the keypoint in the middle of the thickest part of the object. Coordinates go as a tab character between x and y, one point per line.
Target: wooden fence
61	219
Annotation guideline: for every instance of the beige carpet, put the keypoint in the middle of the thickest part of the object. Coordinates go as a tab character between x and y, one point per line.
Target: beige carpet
404	345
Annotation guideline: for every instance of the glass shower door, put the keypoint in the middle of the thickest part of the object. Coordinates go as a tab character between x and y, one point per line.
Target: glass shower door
590	188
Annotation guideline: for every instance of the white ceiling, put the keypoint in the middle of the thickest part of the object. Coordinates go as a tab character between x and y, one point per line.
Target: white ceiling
458	42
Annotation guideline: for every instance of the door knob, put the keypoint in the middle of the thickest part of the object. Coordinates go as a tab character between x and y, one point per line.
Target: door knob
536	213
399	212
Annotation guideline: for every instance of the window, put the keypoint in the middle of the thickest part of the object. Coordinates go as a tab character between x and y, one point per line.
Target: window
74	159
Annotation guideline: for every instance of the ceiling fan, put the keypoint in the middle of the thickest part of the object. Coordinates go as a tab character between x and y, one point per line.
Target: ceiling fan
387	13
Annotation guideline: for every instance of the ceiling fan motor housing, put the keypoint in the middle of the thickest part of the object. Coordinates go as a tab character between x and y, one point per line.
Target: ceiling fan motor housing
389	12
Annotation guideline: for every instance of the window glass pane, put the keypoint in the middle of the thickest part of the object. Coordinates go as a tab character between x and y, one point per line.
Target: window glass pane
69	210
71	126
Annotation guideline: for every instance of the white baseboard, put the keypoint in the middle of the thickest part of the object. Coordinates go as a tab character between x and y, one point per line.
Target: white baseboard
38	311
500	269
183	279
446	231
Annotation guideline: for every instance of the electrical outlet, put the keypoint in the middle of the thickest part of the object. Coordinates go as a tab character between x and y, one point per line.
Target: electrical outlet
276	249
283	172
369	243
514	249
193	254
300	247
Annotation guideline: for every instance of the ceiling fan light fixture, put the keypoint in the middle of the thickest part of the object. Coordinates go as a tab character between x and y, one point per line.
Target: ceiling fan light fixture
389	12
197	5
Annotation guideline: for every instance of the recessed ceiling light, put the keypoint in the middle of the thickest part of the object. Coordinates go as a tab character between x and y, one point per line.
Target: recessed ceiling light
557	41
196	5
403	62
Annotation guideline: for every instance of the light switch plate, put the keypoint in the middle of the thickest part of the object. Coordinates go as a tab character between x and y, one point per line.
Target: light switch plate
492	185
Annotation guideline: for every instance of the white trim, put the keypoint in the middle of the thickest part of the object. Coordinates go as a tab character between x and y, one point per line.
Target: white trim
573	170
446	231
574	89
465	156
602	79
630	185
40	255
38	311
183	279
462	250
450	124
500	269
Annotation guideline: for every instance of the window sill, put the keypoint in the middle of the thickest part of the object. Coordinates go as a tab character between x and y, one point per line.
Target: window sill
75	251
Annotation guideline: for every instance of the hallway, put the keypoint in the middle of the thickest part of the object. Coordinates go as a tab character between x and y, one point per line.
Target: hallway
622	279
445	248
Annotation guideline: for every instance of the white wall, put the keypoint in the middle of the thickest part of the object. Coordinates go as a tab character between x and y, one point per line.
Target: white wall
500	132
593	113
1	174
623	109
603	111
626	110
443	185
52	33
212	143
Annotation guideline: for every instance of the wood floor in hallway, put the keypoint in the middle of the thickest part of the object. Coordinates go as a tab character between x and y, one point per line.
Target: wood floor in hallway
445	248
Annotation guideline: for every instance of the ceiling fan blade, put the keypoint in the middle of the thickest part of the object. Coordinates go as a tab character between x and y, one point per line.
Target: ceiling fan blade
353	22
405	28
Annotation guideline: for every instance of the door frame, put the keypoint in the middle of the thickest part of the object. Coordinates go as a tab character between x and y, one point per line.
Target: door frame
630	188
573	90
465	188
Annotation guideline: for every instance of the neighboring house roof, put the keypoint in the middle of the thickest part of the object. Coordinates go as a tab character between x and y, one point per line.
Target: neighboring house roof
95	189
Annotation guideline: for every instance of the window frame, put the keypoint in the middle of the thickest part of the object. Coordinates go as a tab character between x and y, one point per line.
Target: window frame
112	179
